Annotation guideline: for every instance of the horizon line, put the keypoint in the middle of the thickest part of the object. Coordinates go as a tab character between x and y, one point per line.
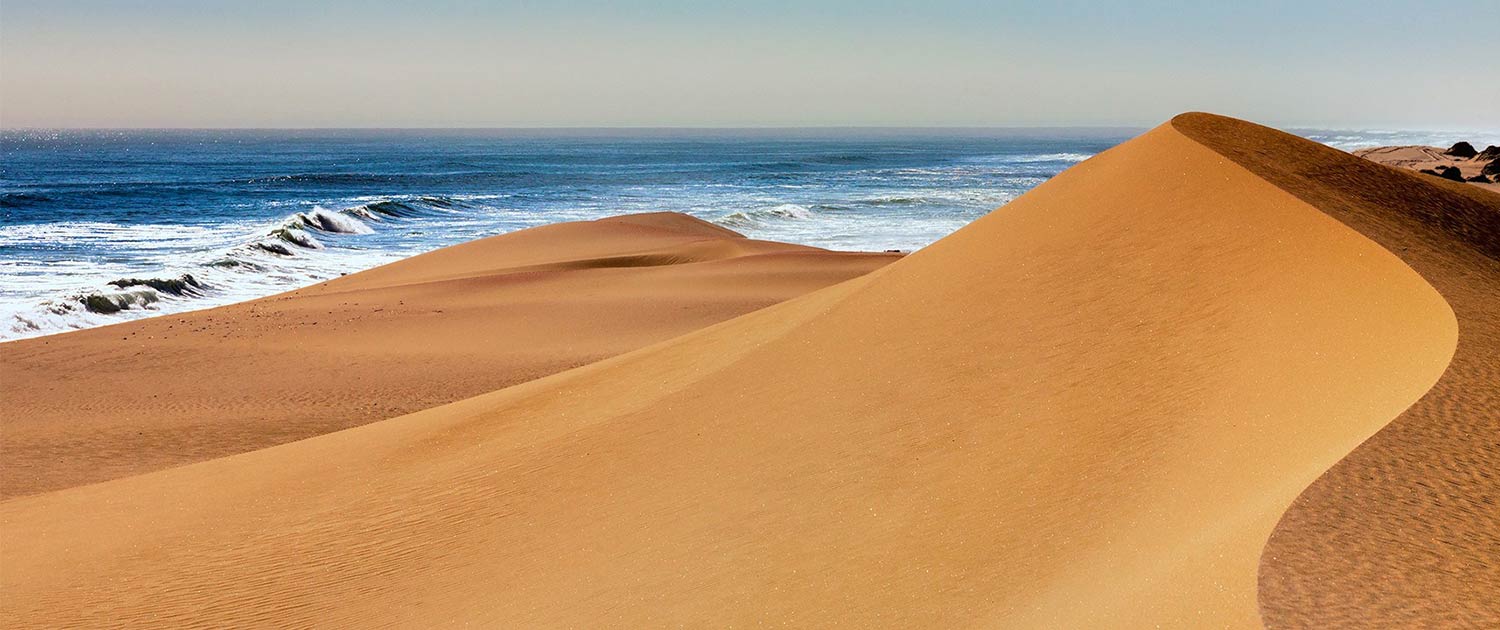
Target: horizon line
690	128
574	127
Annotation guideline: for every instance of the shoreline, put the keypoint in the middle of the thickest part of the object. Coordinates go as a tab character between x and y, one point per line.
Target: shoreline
245	218
128	398
1160	389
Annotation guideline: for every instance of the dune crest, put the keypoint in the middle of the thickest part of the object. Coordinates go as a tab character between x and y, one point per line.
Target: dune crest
1405	531
1087	409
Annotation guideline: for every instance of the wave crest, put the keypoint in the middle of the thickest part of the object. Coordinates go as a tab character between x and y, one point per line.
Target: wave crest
107	303
749	218
331	222
265	259
185	284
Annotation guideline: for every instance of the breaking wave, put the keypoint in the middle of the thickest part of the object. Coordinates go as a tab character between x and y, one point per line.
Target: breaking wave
1053	157
331	222
751	218
107	303
185	284
282	256
954	196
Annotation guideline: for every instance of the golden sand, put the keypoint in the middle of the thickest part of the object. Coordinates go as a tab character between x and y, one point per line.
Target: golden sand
1405	532
1088	409
122	400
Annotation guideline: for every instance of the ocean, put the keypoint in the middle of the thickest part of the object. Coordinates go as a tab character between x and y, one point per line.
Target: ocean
98	227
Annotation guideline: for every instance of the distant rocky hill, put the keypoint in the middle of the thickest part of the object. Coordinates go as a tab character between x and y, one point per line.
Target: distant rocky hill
1460	163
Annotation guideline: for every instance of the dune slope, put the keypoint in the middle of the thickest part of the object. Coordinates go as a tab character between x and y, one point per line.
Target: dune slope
1086	409
120	400
1405	532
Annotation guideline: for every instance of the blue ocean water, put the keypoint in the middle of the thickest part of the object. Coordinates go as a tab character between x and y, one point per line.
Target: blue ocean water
98	227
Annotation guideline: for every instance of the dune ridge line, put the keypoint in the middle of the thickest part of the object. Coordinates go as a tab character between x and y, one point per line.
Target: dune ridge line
1403	532
1087	409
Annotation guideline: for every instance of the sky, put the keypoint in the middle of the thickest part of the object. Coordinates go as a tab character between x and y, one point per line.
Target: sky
760	63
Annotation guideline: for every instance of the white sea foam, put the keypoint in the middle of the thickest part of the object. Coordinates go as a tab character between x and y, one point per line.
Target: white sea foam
185	267
870	203
1053	157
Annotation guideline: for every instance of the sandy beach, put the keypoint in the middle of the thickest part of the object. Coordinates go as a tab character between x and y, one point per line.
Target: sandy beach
1216	376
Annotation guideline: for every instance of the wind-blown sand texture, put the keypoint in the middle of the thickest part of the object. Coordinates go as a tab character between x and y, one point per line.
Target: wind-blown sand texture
1405	532
1088	409
122	400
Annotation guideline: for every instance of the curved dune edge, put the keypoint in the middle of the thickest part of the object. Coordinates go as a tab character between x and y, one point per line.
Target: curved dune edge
1405	531
111	402
1087	409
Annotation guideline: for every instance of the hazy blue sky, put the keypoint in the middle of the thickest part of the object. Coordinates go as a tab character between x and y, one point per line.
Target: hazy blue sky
446	63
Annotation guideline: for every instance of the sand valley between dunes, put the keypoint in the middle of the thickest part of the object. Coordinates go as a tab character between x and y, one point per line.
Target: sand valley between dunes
1217	376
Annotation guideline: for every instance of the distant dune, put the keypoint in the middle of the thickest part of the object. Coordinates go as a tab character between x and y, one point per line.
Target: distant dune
1090	408
104	403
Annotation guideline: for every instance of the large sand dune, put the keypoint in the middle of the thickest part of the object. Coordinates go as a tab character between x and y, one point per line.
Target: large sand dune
1087	409
120	400
1405	532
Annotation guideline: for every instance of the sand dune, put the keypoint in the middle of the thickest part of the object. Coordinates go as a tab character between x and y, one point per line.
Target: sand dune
110	402
1405	532
1087	409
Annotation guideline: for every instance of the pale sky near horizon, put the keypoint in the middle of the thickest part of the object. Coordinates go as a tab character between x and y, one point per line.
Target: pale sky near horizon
452	63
